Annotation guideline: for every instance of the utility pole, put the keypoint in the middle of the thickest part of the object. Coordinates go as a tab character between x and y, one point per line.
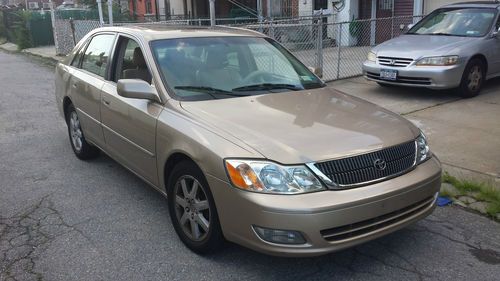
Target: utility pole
259	10
99	8
110	12
269	14
212	12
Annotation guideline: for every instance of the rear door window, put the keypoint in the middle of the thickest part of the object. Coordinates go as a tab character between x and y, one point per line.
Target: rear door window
96	57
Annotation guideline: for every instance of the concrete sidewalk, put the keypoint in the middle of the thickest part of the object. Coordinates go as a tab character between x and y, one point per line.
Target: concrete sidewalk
463	133
47	52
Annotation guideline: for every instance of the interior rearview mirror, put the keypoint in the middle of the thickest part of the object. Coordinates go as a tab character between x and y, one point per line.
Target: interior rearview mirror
136	89
316	70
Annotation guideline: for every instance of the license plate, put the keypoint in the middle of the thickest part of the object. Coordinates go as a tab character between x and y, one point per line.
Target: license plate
388	74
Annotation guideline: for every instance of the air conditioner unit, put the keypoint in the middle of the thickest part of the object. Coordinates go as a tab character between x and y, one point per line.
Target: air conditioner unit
33	5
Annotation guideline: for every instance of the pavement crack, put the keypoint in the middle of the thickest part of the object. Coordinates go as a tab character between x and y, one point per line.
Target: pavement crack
24	236
431	106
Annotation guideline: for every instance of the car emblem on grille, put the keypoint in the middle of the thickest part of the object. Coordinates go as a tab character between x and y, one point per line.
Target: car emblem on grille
380	164
392	62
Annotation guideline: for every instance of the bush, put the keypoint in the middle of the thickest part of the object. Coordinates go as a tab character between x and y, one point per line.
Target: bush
3	29
21	32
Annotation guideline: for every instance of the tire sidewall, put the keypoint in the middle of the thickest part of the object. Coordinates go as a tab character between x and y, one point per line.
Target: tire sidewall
213	239
87	151
464	87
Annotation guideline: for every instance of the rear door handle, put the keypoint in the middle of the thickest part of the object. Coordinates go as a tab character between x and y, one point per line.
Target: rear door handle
75	85
106	102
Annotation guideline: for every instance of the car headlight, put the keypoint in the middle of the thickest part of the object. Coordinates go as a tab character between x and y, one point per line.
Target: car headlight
269	177
438	61
423	150
371	56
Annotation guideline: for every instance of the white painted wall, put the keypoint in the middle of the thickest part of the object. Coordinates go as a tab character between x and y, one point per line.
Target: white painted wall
176	7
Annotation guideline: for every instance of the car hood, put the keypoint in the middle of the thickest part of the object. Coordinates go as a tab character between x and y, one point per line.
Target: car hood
418	46
305	126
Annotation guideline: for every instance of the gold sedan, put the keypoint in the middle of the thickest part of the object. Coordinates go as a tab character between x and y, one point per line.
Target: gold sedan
245	141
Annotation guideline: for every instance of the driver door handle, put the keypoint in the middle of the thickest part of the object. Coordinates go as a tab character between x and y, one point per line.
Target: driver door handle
106	102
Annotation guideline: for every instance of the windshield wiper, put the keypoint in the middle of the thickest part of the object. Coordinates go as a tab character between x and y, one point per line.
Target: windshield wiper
209	90
267	86
443	34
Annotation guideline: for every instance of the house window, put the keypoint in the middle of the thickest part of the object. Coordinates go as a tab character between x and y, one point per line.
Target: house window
46	5
385	4
33	5
149	8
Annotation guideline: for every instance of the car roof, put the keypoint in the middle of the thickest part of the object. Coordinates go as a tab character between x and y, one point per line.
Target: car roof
475	4
166	31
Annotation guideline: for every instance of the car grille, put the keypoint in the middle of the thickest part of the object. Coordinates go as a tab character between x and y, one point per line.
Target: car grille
361	169
361	228
395	62
402	79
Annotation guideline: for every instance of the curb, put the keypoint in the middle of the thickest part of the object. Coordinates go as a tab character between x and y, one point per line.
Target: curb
47	59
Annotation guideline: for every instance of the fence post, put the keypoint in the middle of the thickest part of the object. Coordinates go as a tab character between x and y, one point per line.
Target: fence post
99	8
319	45
339	44
392	27
110	12
212	12
72	26
271	29
54	27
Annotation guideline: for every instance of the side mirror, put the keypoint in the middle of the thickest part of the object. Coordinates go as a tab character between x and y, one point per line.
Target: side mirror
496	34
316	70
136	89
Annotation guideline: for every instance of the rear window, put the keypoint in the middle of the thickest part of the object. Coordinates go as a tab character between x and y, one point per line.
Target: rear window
96	57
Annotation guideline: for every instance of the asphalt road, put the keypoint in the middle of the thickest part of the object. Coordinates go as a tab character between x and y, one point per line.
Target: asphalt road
65	219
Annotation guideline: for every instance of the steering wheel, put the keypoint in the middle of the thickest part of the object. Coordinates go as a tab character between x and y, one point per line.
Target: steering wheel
258	76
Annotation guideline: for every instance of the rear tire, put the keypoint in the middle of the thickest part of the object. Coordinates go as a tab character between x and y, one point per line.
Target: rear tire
192	209
82	149
472	79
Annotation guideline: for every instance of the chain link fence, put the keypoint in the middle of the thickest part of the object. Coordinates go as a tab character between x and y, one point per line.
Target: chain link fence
336	49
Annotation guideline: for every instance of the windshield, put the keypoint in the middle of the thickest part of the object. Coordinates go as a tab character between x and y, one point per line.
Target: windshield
226	67
466	22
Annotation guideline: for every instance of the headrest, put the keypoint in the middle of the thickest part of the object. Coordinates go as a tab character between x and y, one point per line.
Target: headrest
138	58
216	58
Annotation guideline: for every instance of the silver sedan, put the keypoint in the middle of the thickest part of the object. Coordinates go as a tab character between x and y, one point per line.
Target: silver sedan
454	47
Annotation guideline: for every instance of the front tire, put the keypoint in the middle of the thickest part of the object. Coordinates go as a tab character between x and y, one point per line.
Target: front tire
82	149
472	79
192	209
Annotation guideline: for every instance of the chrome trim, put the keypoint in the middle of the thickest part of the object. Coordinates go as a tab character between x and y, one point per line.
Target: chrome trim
151	154
326	180
88	116
335	186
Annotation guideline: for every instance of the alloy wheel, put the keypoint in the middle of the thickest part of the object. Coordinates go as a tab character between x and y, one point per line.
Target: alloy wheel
192	208
75	131
475	78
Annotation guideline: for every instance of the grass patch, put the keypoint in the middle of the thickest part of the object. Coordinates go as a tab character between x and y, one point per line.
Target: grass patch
480	191
445	193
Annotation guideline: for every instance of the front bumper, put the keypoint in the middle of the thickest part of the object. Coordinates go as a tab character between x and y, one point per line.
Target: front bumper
432	77
407	198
